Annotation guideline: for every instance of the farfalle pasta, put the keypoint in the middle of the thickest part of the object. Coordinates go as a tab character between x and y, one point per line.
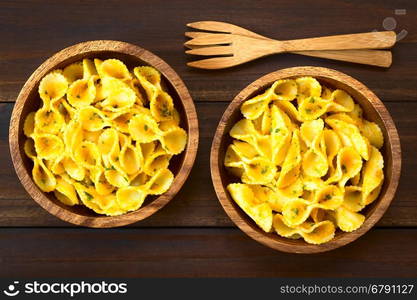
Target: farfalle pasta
307	160
104	136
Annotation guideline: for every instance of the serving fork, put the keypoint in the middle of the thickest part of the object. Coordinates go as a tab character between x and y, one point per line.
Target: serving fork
234	45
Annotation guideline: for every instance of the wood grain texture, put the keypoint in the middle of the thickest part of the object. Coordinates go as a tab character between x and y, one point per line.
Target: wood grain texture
194	253
28	101
373	110
191	207
32	30
27	34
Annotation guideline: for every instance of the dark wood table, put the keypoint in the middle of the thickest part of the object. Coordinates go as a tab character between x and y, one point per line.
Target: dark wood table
192	236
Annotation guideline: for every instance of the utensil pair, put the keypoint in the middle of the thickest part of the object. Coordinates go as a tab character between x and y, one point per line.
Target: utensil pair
233	45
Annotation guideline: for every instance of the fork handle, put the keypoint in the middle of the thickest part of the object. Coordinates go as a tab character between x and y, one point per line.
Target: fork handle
379	58
369	40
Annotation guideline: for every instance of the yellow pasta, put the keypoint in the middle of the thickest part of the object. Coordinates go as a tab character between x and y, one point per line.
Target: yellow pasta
104	135
307	167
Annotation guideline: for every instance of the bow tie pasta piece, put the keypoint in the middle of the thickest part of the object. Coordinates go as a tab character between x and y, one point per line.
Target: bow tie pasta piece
29	124
65	191
162	107
283	230
326	93
81	92
258	171
52	87
89	68
48	146
254	108
289	109
43	178
292	163
312	108
112	68
310	130
119	98
29	148
319	233
347	220
173	122
349	164
174	140
373	133
131	159
307	87
281	129
329	197
340	102
73	72
130	198
160	182
48	121
156	160
150	74
318	215
281	90
314	161
284	90
373	176
64	109
55	165
108	142
92	119
244	130
73	169
102	185
143	128
87	155
261	213
351	132
263	123
296	212
332	146
116	177
352	199
312	233
149	79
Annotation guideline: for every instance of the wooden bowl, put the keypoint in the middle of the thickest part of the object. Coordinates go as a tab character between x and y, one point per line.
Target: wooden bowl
373	109
28	100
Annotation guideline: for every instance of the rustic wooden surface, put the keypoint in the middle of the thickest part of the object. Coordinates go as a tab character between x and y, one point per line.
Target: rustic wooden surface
192	236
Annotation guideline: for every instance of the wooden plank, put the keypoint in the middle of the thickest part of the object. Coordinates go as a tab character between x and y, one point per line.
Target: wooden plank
194	252
196	204
31	31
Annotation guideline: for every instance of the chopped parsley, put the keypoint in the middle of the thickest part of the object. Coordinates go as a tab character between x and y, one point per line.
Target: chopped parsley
295	212
89	196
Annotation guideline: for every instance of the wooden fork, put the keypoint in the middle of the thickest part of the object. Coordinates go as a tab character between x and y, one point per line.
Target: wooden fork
237	45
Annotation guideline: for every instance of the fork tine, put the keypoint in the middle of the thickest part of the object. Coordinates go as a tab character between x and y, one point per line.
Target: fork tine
210	26
210	39
224	27
195	34
214	63
219	50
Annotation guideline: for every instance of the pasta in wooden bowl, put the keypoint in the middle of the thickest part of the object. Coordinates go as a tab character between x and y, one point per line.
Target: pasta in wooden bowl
107	133
306	163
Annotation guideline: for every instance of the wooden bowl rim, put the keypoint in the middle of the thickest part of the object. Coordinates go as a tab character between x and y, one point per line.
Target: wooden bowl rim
287	246
123	48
